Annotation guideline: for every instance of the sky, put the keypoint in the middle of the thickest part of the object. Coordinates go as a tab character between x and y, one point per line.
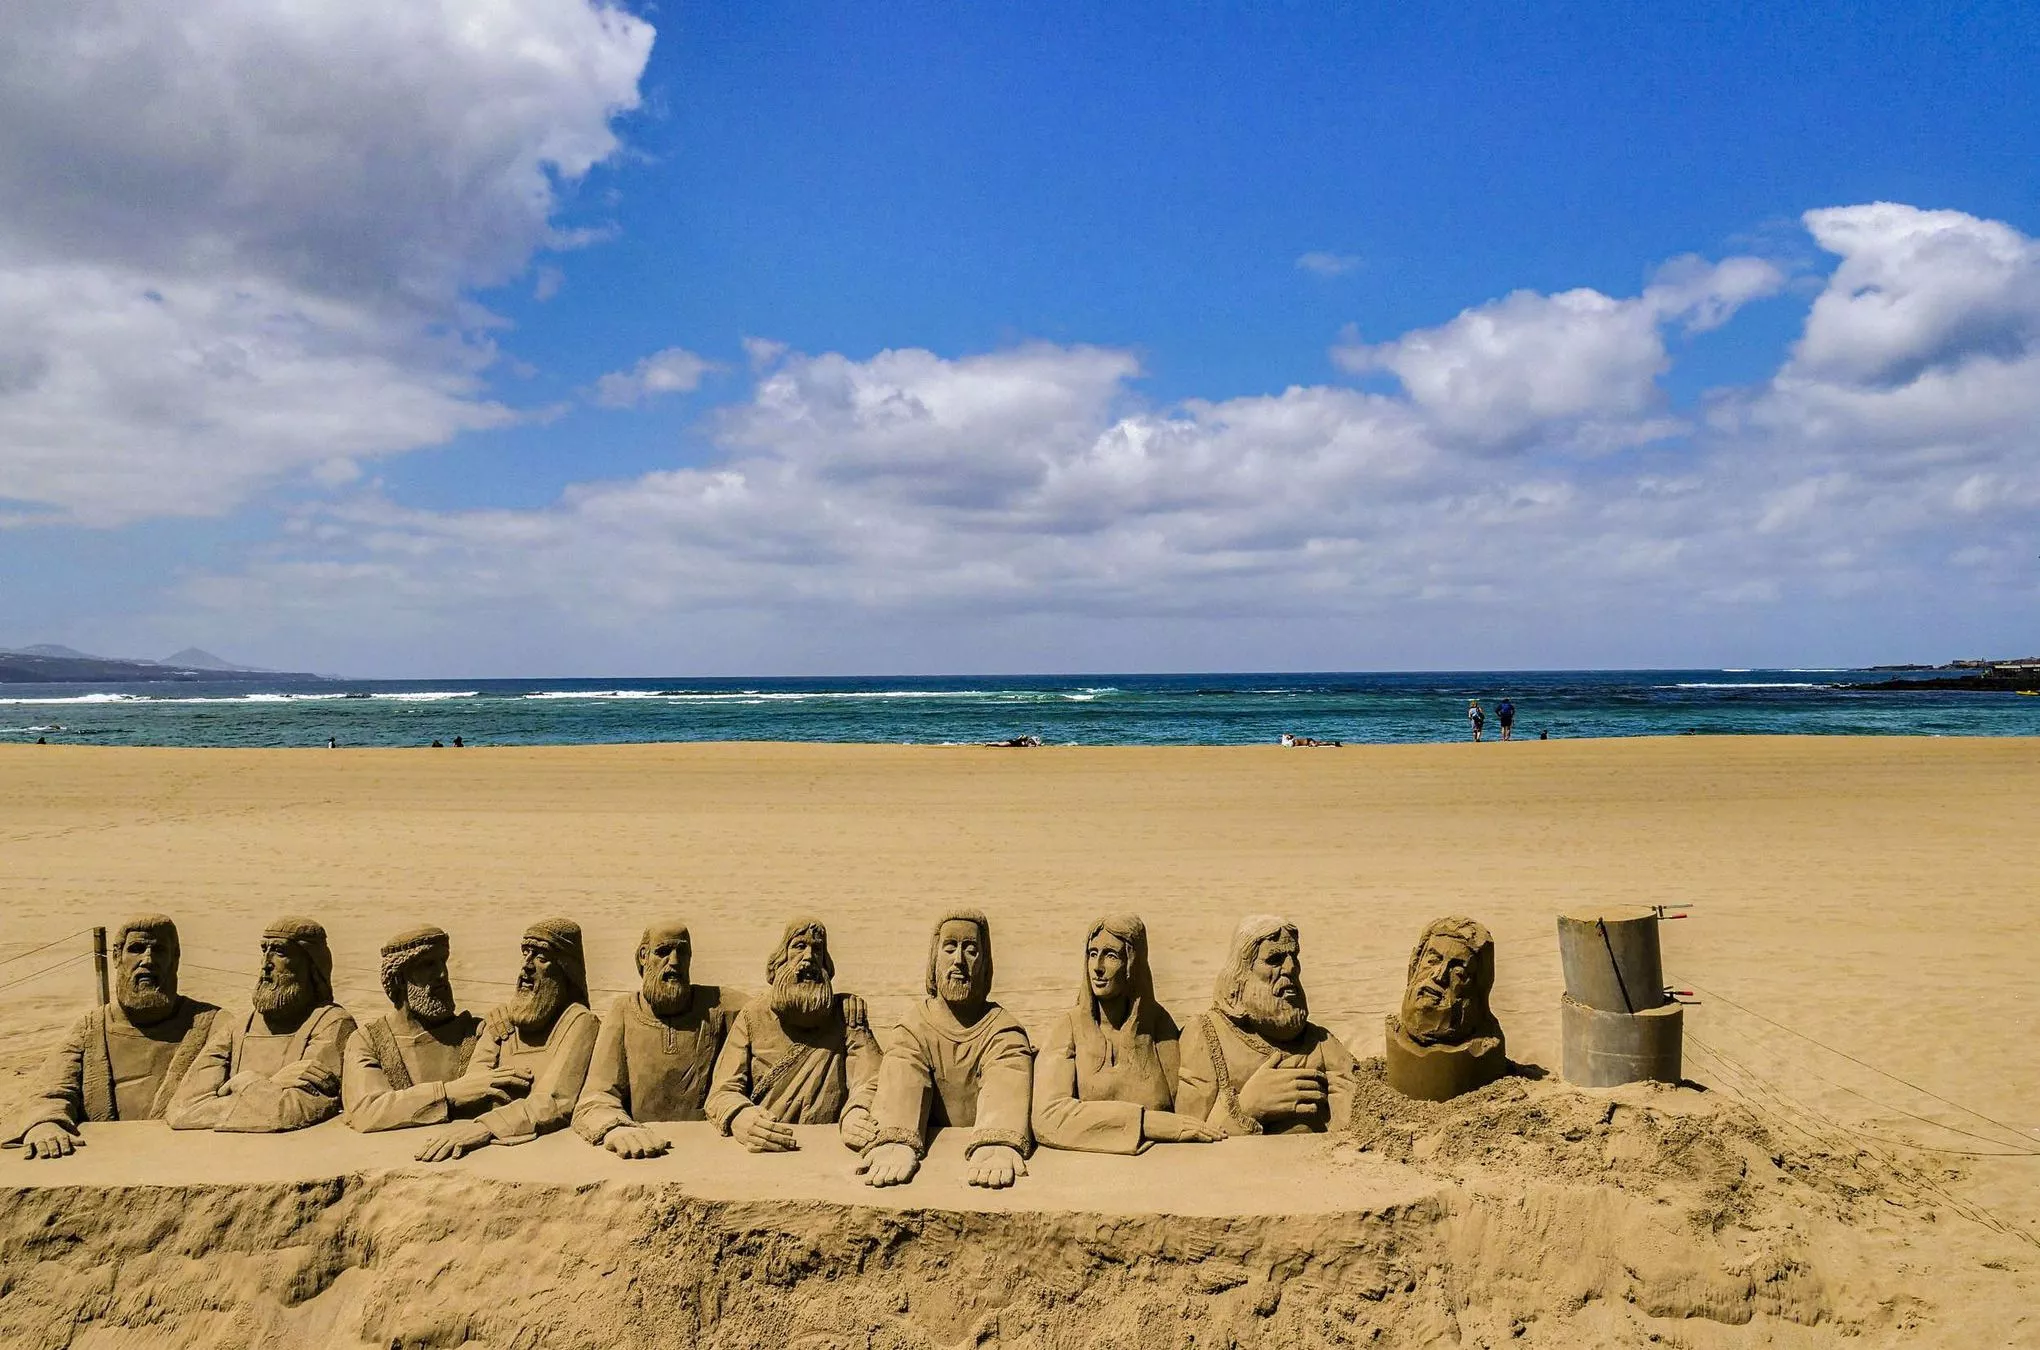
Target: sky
443	338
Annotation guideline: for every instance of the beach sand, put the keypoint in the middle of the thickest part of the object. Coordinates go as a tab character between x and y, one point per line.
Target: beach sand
1874	896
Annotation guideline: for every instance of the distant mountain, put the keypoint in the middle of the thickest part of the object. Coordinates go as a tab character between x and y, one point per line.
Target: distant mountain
48	663
197	658
52	649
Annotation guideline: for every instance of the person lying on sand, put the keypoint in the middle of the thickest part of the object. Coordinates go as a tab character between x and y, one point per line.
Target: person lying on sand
1016	743
956	1059
125	1060
655	1057
546	1031
1105	1081
1292	741
409	1066
279	1068
802	1055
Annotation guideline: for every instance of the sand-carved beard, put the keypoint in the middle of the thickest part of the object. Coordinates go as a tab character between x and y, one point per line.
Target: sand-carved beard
956	985
803	994
283	993
1278	1016
539	1002
430	1003
143	996
667	992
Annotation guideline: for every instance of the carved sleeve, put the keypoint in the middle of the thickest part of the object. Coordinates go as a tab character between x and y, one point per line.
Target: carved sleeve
371	1104
264	1107
729	1091
1006	1094
604	1103
550	1104
59	1096
1061	1119
198	1104
861	1057
906	1086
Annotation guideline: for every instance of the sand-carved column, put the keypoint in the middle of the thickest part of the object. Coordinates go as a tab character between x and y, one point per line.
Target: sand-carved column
1620	1026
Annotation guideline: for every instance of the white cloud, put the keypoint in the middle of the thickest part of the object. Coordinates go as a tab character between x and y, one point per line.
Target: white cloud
1321	264
235	235
672	371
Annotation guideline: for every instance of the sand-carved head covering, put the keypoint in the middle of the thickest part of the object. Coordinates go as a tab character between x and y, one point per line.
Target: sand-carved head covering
813	928
406	947
308	936
561	940
1229	994
984	927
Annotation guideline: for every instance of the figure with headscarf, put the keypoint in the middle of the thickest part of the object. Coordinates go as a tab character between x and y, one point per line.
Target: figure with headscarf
656	1054
409	1066
278	1068
122	1061
546	1031
1105	1080
956	1059
1256	1063
801	1055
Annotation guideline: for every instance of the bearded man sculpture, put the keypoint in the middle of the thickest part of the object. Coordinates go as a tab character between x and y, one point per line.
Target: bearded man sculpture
1445	1040
1256	1063
802	1055
958	1059
656	1053
546	1031
409	1066
122	1061
279	1068
1105	1081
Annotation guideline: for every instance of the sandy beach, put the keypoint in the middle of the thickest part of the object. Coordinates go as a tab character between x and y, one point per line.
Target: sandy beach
1872	896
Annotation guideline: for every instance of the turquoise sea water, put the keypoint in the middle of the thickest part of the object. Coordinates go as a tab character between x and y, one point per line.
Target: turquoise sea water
1061	709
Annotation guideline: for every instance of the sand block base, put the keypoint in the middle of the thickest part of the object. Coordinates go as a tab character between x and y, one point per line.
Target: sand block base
1438	1073
1608	1049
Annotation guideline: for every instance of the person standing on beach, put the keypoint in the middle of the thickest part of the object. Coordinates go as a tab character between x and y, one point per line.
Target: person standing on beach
1505	713
1475	718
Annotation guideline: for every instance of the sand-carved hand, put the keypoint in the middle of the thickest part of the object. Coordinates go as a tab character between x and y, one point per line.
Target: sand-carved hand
1272	1090
996	1166
307	1075
859	1127
49	1140
493	1088
453	1140
1166	1127
890	1165
760	1133
634	1141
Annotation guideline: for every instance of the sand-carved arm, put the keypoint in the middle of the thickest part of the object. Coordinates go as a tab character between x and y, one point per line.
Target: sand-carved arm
557	1087
369	1102
58	1098
1062	1119
260	1104
604	1102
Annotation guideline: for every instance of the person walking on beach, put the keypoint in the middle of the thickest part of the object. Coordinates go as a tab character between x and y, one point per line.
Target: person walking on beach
1475	718
1505	713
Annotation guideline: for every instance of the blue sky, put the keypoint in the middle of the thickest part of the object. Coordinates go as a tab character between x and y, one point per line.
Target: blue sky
1020	337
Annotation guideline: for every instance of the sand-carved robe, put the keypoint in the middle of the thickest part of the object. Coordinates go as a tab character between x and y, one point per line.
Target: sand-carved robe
109	1068
397	1070
936	1074
1092	1083
245	1053
649	1067
796	1075
1218	1056
558	1066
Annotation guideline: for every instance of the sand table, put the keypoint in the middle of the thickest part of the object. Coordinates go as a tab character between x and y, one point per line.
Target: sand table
1874	896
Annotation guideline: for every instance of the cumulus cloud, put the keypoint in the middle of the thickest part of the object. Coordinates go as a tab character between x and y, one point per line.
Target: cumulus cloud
672	371
236	235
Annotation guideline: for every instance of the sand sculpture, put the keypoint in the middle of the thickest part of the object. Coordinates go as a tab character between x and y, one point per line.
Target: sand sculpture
122	1061
957	1059
802	1055
1445	1039
1105	1080
409	1067
1619	1024
546	1031
278	1068
1256	1063
656	1052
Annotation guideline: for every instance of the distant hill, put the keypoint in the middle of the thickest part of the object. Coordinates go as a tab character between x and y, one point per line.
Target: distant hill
48	663
197	658
52	649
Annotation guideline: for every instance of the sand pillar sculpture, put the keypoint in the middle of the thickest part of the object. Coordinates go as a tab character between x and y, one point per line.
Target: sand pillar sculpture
1619	1024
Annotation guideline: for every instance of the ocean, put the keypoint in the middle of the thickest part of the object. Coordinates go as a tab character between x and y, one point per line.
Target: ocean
1060	709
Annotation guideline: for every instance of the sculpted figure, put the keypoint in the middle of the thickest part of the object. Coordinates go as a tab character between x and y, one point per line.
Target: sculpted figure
1446	1041
803	1055
278	1068
123	1061
1106	1077
957	1059
656	1053
409	1066
1256	1063
546	1031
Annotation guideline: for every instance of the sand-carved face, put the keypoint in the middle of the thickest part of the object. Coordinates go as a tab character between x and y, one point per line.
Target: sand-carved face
146	973
1445	1000
1272	994
286	985
665	961
542	990
803	988
1108	965
962	972
428	988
